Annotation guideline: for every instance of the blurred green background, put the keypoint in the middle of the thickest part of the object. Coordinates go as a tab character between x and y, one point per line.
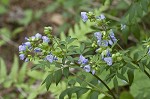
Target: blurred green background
24	18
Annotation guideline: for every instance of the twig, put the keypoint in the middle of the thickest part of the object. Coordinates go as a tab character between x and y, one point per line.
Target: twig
93	86
105	85
147	73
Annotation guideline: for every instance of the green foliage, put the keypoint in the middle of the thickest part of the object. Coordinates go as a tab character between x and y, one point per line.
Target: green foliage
17	79
78	90
4	6
7	35
81	29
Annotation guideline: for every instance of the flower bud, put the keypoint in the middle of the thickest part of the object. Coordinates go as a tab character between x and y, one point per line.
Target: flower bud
47	30
119	58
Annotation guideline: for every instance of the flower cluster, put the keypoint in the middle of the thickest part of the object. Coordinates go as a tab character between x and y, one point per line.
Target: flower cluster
105	39
85	16
84	63
34	47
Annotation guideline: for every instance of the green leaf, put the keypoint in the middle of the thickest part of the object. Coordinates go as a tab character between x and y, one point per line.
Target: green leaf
70	58
80	79
5	2
81	92
123	70
48	81
69	91
22	73
2	9
94	95
126	95
71	81
130	74
3	70
35	74
144	4
115	82
132	12
17	30
52	7
28	17
14	70
82	47
58	75
66	71
121	76
131	65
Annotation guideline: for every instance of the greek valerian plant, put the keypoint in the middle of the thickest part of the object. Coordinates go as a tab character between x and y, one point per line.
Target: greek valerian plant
101	52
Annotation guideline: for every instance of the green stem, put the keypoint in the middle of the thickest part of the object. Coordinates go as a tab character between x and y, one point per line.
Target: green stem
93	86
147	73
120	46
105	86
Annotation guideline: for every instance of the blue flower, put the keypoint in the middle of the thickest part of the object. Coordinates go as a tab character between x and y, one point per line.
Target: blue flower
55	58
38	36
37	49
102	17
98	35
32	38
26	60
51	58
87	68
28	44
45	39
123	26
104	43
99	42
82	60
22	47
110	42
26	38
93	72
22	56
84	16
112	36
108	60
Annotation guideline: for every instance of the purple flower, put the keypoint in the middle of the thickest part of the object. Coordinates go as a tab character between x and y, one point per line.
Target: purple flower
108	54
38	36
99	42
28	44
93	72
32	38
22	56
112	36
55	58
110	42
51	58
87	68
22	47
82	60
102	17
98	35
45	39
84	16
26	60
108	60
104	43
37	49
26	38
